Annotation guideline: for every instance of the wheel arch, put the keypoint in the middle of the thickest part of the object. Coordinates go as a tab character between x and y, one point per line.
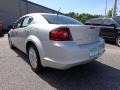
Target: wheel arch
117	36
117	39
35	40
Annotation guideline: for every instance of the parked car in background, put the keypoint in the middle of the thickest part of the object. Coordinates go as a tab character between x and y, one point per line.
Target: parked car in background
1	28
109	28
55	41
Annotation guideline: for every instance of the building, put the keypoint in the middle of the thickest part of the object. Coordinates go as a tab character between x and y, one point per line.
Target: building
11	10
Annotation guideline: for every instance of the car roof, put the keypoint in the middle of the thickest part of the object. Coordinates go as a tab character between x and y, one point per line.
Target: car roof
32	14
100	18
94	19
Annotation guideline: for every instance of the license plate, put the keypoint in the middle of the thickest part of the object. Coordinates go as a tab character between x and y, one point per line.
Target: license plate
93	52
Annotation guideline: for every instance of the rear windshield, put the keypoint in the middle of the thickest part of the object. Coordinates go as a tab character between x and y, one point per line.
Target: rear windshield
60	19
94	22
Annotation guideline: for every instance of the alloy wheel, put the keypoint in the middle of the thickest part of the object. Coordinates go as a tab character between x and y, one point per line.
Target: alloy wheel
33	58
118	41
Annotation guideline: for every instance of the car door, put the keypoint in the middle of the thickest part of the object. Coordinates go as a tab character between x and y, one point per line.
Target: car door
23	33
108	30
16	28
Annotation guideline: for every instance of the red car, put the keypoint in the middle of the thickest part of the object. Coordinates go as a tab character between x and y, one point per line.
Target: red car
1	28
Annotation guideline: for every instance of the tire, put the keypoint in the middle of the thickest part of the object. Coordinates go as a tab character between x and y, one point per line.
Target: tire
34	58
10	43
118	40
1	34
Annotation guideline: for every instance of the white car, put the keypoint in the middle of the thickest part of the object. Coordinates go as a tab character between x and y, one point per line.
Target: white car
55	41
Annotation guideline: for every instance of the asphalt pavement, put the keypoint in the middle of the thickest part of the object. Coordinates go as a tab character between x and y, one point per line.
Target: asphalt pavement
16	74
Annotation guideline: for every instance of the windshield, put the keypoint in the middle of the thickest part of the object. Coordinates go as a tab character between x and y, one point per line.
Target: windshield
117	19
60	19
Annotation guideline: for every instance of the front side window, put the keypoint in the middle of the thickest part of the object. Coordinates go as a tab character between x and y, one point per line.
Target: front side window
18	23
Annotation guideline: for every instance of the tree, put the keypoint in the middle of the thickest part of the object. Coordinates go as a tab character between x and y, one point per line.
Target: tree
109	14
71	14
82	17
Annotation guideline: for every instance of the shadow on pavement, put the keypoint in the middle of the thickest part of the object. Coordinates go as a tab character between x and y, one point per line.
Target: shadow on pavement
21	55
1	36
92	76
111	43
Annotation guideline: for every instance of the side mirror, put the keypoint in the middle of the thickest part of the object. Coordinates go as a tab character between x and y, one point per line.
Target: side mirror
10	27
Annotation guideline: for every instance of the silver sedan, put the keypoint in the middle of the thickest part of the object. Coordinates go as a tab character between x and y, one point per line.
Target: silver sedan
55	41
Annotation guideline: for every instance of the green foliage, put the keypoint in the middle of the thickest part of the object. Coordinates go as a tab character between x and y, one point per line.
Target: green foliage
82	17
109	14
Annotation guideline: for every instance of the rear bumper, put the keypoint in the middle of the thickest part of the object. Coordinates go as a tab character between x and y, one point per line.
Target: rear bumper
69	55
64	66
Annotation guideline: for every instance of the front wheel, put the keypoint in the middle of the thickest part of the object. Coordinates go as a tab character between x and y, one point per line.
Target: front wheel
118	41
34	58
10	43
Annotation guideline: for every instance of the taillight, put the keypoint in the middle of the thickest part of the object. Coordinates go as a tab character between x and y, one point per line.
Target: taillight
60	34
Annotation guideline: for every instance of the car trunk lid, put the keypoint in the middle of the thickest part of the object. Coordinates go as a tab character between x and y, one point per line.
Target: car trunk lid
84	34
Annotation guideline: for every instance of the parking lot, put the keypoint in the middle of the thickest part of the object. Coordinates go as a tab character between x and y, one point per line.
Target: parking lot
16	74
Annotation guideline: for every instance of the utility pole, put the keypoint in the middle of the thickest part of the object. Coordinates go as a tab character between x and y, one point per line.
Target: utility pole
114	9
105	9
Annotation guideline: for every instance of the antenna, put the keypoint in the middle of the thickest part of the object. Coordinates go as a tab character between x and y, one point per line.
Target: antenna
58	12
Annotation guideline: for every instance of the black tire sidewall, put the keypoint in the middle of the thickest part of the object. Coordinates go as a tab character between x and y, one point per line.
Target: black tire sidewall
117	40
10	42
37	69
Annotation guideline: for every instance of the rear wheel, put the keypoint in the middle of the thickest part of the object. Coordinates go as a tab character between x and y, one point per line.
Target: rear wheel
34	58
118	41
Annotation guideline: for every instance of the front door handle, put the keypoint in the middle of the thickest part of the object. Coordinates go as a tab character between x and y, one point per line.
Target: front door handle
27	32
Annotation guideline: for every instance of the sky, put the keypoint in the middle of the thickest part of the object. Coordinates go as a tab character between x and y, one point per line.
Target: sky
78	6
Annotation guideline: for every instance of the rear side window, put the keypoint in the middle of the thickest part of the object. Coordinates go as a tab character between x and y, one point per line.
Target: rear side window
23	22
27	21
54	19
